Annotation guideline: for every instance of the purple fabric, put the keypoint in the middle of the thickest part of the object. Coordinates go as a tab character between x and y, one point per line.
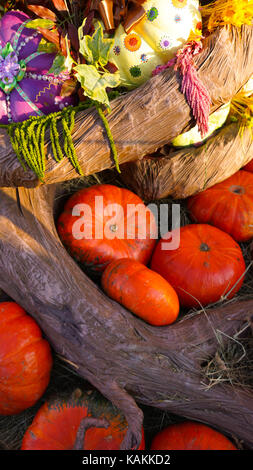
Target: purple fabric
9	25
3	109
44	94
41	64
45	97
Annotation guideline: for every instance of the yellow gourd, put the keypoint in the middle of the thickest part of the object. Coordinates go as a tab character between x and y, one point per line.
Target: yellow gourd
166	27
193	136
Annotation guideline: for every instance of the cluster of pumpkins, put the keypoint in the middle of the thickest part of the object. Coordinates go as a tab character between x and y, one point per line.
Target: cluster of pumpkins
207	266
25	367
138	271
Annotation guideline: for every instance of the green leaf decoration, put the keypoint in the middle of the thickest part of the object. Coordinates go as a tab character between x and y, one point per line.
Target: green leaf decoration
83	47
95	48
48	47
40	23
99	46
69	61
94	78
94	83
8	49
58	65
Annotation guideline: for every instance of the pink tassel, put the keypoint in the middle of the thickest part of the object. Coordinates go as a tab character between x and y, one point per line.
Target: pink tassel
194	90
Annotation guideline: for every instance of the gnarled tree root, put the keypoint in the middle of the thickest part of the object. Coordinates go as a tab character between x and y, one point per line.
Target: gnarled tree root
124	358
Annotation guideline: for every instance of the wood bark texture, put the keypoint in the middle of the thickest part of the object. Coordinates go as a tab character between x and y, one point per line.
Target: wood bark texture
181	173
127	360
147	118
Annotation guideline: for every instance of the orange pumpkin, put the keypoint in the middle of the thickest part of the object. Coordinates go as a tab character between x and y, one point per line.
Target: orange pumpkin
207	265
142	291
25	360
56	425
190	436
227	205
249	166
100	224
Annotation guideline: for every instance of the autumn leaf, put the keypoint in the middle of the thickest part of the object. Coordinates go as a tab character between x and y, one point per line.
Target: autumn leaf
43	12
59	5
68	88
40	23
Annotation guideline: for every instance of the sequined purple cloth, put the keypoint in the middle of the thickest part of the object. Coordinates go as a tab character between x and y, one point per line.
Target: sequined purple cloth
26	88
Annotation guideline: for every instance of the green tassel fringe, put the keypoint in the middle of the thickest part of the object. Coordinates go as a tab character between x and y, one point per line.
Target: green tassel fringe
110	137
28	139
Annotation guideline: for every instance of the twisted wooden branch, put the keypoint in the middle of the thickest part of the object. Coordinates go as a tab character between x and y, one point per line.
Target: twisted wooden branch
180	173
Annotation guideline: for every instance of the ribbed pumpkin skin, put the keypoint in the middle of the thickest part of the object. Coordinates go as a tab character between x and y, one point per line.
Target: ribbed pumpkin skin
200	276
94	253
55	426
227	205
142	291
25	360
190	436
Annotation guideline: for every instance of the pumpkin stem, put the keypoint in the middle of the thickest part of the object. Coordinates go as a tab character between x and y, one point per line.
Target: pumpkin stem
114	228
85	424
237	189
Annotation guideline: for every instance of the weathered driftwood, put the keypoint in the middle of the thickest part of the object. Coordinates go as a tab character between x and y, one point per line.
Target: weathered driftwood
147	118
120	355
180	173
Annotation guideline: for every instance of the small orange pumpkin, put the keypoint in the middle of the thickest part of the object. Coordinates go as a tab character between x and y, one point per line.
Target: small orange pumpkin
227	205
25	360
112	223
57	424
142	291
207	265
190	436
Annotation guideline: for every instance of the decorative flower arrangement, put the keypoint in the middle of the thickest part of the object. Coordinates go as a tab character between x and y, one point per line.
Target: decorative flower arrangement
97	61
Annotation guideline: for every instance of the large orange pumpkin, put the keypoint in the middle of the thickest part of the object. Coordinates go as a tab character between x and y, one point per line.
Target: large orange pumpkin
227	205
56	425
207	265
103	223
25	360
190	436
142	291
